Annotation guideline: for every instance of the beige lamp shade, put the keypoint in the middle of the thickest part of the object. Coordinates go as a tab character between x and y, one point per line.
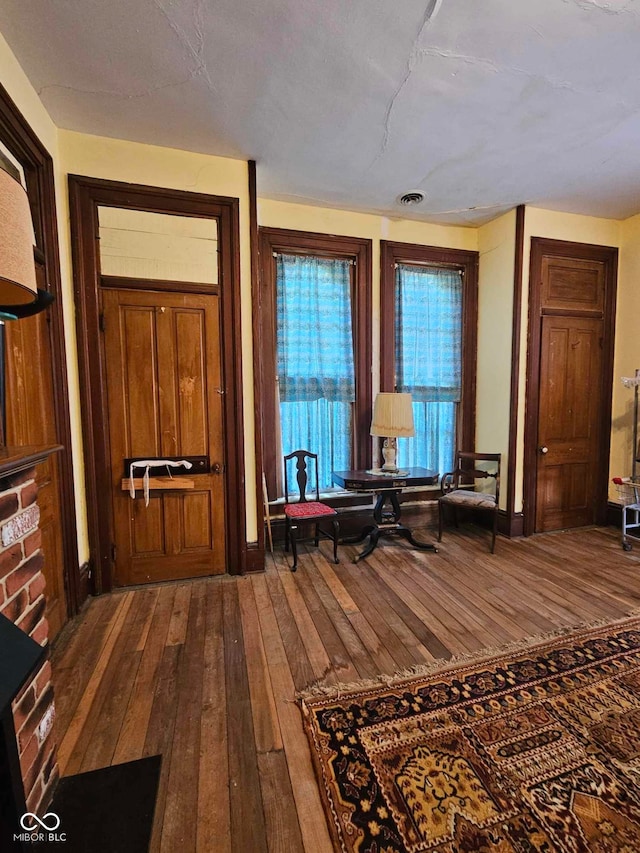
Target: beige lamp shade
17	268
393	416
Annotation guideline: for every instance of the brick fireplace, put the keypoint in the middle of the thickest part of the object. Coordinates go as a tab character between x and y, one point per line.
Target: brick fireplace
22	601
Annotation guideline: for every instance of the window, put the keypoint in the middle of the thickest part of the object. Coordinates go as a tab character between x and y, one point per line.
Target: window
428	347
316	351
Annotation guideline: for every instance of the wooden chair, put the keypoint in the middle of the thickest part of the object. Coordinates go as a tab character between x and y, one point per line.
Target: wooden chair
304	510
459	488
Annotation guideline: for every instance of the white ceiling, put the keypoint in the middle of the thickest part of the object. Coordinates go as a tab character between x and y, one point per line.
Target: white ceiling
349	103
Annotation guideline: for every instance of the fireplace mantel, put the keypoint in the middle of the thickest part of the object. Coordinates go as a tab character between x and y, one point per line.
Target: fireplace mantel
16	459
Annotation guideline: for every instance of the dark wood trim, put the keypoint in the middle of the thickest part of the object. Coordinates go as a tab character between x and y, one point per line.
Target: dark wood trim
25	146
510	525
393	253
16	459
256	313
85	195
123	282
358	249
512	452
254	559
86	578
608	255
614	514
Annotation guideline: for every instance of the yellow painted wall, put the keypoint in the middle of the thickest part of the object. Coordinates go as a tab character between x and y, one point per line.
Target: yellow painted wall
496	244
557	226
627	351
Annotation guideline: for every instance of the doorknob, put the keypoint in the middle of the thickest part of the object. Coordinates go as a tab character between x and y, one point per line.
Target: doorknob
543	449
216	468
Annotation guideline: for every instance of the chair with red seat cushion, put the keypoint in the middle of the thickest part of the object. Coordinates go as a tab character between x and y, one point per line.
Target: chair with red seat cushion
305	510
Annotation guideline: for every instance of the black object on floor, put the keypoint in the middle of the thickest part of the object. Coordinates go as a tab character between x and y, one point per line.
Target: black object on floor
108	810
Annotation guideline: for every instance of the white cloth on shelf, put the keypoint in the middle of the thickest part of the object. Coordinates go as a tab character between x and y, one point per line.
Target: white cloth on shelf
152	463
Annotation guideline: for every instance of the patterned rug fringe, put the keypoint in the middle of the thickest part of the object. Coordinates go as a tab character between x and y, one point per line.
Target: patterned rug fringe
321	690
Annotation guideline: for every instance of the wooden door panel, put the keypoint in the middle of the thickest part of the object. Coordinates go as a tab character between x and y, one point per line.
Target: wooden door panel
196	521
190	336
31	420
147	527
570	368
163	366
140	402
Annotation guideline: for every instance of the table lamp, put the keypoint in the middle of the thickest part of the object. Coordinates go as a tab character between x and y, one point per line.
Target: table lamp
17	268
18	289
393	419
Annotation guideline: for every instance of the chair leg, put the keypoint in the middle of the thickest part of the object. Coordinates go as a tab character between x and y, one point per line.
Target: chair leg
336	536
440	520
316	540
294	548
286	533
495	528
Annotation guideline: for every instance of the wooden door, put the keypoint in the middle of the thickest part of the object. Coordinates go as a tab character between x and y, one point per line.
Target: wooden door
31	420
571	376
570	370
163	378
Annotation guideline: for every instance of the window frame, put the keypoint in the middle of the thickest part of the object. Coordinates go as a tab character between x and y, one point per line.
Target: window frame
392	253
355	249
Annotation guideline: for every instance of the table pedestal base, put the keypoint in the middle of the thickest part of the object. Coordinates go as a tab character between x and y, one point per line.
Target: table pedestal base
387	523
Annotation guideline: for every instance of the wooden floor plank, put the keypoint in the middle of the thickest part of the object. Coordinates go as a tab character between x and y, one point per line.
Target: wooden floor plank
77	656
83	722
316	651
398	640
179	830
383	660
248	828
118	687
205	672
213	816
313	828
356	649
341	663
266	728
299	663
136	720
161	728
283	828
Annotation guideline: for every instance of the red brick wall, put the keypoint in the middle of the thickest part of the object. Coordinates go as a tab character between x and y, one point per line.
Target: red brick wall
22	588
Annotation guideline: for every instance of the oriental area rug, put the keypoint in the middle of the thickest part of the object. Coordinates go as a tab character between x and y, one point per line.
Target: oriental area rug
534	749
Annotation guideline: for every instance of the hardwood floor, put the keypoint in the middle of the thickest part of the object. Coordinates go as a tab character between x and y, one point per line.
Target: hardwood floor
205	672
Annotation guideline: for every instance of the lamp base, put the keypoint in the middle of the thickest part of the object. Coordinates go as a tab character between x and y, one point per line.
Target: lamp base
389	453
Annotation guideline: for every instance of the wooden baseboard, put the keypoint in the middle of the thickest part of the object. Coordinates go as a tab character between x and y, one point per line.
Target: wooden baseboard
254	557
614	514
511	526
86	583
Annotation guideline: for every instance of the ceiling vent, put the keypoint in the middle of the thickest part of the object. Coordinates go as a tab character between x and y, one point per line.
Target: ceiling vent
412	197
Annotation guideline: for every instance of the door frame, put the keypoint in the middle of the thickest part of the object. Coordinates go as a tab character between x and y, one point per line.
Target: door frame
608	255
36	161
85	195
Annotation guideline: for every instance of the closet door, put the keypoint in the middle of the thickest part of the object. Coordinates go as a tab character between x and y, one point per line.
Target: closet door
163	378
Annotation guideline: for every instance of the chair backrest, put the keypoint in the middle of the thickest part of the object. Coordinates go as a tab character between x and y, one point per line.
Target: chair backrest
477	466
301	457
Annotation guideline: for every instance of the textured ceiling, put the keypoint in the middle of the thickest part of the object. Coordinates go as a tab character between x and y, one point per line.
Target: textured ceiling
348	103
